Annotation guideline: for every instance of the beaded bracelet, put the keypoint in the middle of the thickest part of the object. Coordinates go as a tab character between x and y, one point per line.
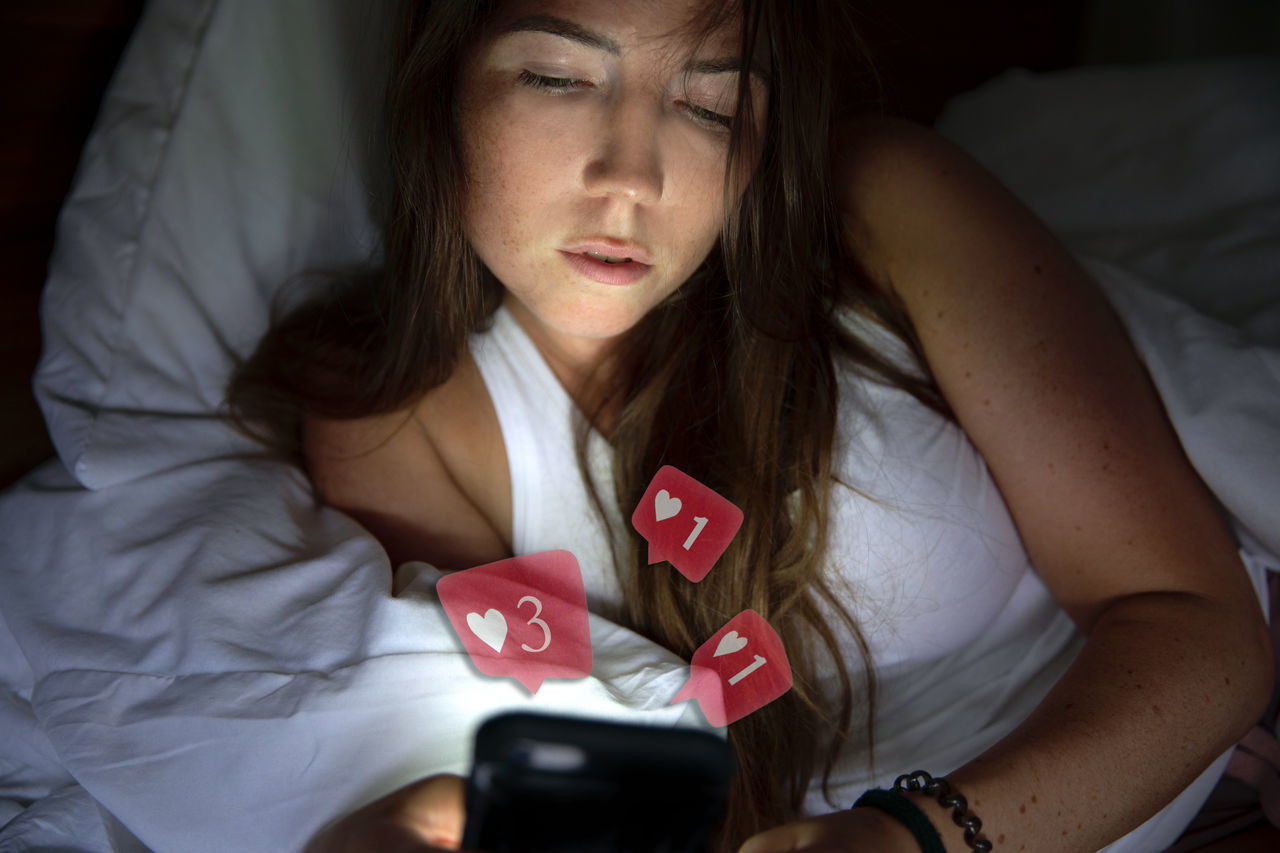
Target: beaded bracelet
940	788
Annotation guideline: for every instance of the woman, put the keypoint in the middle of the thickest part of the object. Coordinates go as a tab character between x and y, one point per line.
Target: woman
643	193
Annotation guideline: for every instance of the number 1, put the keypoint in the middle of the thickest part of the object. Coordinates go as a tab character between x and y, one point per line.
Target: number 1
698	523
750	668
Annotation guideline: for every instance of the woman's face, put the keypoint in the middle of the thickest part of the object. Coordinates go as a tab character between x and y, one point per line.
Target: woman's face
593	132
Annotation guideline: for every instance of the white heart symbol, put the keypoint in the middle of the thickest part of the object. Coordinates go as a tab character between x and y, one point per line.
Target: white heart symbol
665	506
492	628
729	644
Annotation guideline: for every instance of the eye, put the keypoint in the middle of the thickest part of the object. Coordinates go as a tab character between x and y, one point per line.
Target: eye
704	116
554	85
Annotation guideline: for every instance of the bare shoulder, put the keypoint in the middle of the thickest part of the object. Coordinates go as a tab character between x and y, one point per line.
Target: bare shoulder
1038	370
1004	312
902	186
429	480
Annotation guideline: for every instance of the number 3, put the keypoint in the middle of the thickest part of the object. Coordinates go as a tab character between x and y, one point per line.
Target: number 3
534	620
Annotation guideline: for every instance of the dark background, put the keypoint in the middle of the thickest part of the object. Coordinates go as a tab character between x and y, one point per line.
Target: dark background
56	57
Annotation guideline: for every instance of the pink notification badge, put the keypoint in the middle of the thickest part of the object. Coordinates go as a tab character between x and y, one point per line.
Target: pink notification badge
685	523
523	617
742	667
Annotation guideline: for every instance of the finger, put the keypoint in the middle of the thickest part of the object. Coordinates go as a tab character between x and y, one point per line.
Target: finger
779	842
387	838
434	809
828	834
776	840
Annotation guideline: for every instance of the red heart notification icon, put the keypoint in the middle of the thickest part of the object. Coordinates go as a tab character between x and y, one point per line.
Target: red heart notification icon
523	617
685	523
742	667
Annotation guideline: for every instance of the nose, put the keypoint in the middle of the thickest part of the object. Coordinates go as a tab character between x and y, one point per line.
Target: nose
626	163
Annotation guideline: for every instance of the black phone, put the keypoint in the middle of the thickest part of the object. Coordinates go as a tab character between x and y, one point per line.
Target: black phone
573	785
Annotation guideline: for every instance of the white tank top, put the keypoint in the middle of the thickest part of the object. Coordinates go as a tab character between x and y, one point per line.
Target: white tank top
964	638
920	533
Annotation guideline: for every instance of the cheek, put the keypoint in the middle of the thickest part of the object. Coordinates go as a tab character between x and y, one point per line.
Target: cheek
703	208
490	215
695	179
508	179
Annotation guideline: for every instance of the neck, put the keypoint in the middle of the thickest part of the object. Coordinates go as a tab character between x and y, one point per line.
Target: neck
581	365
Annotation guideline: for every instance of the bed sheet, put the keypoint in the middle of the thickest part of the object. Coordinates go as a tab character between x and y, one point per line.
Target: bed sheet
223	665
1170	171
176	608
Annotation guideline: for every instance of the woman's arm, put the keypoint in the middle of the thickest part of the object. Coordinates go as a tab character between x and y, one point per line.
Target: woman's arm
1042	378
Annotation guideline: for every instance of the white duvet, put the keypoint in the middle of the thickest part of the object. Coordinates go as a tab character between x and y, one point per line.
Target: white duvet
194	656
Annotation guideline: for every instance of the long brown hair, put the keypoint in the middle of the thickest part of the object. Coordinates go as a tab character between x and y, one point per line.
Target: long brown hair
733	379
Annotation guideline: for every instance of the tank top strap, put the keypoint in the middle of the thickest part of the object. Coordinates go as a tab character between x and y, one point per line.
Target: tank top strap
550	508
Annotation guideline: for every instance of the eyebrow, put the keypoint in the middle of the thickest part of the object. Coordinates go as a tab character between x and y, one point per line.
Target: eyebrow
565	29
573	32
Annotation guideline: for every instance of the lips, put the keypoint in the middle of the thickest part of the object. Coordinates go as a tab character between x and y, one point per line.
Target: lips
609	261
619	249
621	272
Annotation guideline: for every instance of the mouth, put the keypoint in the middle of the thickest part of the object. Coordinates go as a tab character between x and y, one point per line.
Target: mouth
608	259
611	266
611	251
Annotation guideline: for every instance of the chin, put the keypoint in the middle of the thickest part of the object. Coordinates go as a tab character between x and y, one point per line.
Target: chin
598	327
600	316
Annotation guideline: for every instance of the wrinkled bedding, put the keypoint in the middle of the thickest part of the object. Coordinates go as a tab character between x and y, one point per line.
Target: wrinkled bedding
195	656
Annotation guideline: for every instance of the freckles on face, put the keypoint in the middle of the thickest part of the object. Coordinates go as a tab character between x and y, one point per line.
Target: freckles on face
586	139
515	180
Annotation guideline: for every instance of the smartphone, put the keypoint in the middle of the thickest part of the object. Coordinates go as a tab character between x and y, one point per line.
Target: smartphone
551	783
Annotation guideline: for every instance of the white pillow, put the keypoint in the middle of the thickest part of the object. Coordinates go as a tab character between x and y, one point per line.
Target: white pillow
1171	171
227	157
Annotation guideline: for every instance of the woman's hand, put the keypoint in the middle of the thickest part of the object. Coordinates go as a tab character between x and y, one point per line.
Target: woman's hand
422	817
863	830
